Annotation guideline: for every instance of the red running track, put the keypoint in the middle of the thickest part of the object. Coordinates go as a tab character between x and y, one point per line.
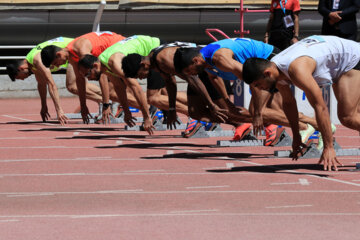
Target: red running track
102	182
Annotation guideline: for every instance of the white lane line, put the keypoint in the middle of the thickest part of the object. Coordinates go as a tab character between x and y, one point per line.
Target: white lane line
168	152
28	120
290	206
25	138
141	191
76	133
43	147
93	158
205	187
195	211
73	159
142	171
10	220
307	174
229	165
302	181
180	214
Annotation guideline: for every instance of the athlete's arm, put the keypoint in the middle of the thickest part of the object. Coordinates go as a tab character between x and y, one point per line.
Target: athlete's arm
171	87
115	65
41	86
296	27
44	74
259	98
104	86
223	60
300	72
219	84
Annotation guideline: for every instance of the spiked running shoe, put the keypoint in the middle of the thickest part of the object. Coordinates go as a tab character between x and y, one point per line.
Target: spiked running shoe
241	131
306	134
271	135
192	127
320	145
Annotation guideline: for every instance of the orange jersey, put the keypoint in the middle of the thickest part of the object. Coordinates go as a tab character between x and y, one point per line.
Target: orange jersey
99	41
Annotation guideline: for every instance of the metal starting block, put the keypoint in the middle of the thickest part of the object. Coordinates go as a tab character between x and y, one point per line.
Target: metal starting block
217	132
250	141
159	126
116	120
313	152
78	115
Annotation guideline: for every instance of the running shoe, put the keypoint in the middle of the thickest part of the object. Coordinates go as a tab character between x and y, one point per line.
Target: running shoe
306	134
320	145
120	112
241	131
192	127
271	135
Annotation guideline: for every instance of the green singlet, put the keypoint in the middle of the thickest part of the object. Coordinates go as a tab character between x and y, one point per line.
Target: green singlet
139	44
60	42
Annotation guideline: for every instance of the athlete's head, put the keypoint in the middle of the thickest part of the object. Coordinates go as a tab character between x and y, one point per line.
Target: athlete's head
18	69
136	66
189	61
53	55
90	67
260	73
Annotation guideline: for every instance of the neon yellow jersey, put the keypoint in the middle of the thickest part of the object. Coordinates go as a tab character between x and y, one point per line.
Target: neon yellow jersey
61	42
139	44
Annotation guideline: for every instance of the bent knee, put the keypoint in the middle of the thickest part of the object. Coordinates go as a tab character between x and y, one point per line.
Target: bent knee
72	89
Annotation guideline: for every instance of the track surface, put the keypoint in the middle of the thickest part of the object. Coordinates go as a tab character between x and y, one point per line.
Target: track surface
102	182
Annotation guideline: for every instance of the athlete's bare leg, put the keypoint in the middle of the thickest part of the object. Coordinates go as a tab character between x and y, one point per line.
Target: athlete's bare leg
346	91
93	92
161	101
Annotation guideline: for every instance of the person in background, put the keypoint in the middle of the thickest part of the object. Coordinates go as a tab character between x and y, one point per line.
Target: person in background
282	29
339	18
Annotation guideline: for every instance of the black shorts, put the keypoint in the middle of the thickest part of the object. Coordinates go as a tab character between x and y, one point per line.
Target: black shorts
213	93
155	81
273	53
357	67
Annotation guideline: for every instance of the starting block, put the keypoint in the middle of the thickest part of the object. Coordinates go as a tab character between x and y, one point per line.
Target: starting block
116	120
217	132
159	126
251	141
313	152
78	115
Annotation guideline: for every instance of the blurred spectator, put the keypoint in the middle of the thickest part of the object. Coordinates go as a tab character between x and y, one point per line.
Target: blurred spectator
339	17
283	26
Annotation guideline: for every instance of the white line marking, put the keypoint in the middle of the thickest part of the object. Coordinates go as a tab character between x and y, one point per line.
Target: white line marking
179	214
40	194
304	181
168	152
229	165
93	158
76	133
10	220
41	147
225	186
119	142
290	206
195	211
27	120
141	171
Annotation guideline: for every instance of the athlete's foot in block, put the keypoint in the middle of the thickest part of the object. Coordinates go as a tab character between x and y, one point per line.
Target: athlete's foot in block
242	131
192	127
306	134
271	136
320	145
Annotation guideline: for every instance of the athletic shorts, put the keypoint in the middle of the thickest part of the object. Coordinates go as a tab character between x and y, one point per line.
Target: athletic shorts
209	87
357	67
155	81
274	52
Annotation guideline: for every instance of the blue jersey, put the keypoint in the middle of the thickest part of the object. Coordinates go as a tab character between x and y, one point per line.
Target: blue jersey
243	48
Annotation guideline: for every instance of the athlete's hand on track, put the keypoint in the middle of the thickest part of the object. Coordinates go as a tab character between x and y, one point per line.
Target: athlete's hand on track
328	156
218	113
44	114
148	126
258	125
106	115
171	120
129	119
62	118
298	149
85	114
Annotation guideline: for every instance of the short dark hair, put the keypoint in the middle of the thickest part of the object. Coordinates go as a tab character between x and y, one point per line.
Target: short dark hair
253	69
183	57
12	68
88	61
48	54
131	65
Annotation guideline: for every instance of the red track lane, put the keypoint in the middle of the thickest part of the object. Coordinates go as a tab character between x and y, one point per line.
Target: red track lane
102	182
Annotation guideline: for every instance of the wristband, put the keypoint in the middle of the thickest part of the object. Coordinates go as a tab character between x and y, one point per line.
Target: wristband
106	105
295	36
172	109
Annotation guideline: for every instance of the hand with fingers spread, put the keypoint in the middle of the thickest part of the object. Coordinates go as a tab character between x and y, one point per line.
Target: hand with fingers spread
44	114
148	126
85	114
258	124
171	119
218	113
62	118
106	113
328	156
128	118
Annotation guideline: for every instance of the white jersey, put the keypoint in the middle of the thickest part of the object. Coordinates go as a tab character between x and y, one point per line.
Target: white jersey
333	55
